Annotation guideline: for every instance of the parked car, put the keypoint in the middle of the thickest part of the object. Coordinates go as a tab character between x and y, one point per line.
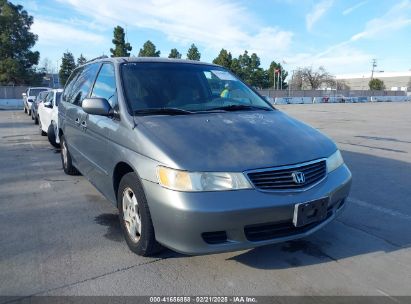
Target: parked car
341	98
40	98
48	116
30	95
189	169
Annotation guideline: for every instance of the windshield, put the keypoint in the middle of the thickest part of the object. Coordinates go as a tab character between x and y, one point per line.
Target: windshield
189	87
35	92
42	95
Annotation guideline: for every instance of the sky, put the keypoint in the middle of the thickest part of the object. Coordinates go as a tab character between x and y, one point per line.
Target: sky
343	36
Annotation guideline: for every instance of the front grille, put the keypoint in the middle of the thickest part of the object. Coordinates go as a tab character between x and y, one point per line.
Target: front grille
268	231
281	178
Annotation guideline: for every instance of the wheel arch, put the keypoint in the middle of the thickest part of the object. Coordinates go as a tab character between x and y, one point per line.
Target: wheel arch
121	169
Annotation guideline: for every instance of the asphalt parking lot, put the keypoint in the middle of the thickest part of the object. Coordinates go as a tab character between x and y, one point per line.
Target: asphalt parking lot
59	236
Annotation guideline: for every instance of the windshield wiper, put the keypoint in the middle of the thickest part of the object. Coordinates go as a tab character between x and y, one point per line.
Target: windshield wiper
164	111
239	108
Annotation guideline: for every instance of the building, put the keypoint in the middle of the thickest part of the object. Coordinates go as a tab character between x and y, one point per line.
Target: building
395	81
51	80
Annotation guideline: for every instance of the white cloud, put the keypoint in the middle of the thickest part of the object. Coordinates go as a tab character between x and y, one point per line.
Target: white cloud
396	18
317	12
343	57
211	24
56	34
340	60
353	8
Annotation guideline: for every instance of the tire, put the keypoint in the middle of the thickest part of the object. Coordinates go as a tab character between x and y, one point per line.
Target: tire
36	120
51	135
133	209
42	133
66	161
25	110
32	115
29	113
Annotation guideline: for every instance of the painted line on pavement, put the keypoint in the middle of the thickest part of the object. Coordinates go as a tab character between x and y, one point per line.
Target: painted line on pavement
379	209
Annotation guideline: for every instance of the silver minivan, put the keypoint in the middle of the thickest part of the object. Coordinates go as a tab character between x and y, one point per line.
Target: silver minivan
194	159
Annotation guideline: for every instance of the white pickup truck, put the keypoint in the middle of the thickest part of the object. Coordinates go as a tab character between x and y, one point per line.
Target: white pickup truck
30	95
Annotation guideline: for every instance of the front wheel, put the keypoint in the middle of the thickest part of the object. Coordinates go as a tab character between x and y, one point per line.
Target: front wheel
135	217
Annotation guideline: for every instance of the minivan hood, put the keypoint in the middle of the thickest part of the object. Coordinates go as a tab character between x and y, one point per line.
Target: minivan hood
232	141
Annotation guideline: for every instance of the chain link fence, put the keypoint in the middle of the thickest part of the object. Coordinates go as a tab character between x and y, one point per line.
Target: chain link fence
328	93
12	92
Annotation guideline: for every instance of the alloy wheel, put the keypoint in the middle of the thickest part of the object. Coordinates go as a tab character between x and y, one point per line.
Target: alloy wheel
131	214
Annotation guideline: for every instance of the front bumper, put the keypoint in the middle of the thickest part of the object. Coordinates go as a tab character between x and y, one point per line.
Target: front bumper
181	218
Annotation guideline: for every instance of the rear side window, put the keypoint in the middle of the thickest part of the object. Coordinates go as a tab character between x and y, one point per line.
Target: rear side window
82	84
68	90
105	85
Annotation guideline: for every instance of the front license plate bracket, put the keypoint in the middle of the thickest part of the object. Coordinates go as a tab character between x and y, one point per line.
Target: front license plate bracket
310	212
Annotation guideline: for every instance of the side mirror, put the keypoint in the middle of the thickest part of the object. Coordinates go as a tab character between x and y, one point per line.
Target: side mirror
48	104
97	106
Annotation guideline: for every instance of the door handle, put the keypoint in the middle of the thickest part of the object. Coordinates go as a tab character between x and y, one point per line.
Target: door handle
77	121
84	124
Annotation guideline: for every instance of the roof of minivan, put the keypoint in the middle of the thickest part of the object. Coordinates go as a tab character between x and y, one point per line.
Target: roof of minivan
149	59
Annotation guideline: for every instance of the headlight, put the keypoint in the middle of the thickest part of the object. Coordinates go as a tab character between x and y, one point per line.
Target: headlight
201	181
334	161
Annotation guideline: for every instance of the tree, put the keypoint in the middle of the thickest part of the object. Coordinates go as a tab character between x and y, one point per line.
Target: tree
46	66
277	76
193	53
376	84
81	60
296	82
17	61
224	59
67	66
236	68
342	85
121	48
315	78
174	54
248	69
149	50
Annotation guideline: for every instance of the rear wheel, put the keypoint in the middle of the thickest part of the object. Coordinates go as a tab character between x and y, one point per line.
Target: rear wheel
51	135
42	133
25	110
36	120
135	217
66	159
